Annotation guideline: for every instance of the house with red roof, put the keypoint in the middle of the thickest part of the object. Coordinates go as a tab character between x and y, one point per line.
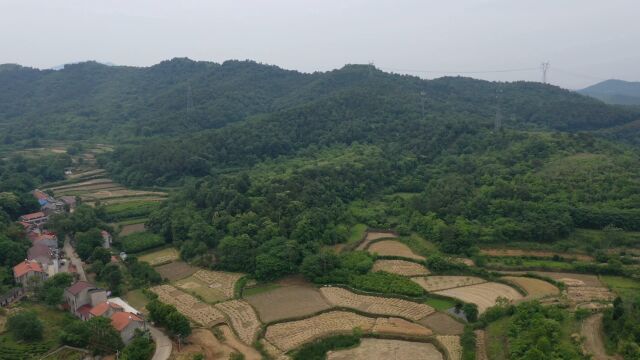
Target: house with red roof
126	323
28	270
105	309
43	237
35	219
83	296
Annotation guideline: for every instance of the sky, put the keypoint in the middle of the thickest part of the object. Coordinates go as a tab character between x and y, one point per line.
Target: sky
585	41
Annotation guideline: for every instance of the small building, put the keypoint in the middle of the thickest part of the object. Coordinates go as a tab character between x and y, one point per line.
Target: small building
28	270
43	238
105	309
35	219
40	253
126	323
107	239
69	202
42	197
82	297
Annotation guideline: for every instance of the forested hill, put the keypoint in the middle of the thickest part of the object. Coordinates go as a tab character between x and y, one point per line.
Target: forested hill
181	96
615	92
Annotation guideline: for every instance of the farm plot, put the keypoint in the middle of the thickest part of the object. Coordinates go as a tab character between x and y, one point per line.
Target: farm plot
273	351
120	193
132	229
568	279
483	295
580	294
288	302
194	309
442	324
81	184
400	267
160	257
375	304
397	326
533	253
175	270
388	349
535	288
243	319
437	283
371	236
393	248
452	344
212	286
290	335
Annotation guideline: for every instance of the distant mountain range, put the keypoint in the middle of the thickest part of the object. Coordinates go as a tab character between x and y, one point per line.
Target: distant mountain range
615	92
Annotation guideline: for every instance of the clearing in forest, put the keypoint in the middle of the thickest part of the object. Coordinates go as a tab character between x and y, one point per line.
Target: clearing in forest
375	304
212	286
243	318
387	349
483	295
288	302
393	248
440	282
175	270
400	267
160	257
535	288
197	311
443	324
452	344
371	236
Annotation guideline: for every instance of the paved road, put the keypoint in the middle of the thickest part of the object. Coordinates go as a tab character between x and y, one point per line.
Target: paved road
75	260
163	344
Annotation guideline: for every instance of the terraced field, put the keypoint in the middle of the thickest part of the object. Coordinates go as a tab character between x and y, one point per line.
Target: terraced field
160	257
388	349
452	344
288	302
400	267
375	304
371	236
483	295
393	248
243	318
437	283
197	311
535	288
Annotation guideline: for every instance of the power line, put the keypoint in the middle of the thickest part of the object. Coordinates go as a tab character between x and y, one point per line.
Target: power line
545	68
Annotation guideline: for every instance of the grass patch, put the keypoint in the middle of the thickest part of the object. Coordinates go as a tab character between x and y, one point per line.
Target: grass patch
130	210
136	299
158	257
318	350
133	221
259	289
628	289
140	241
497	348
200	289
420	245
512	262
356	233
439	303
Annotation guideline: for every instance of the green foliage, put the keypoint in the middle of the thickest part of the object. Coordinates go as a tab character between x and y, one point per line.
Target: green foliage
318	350
468	342
52	289
386	283
87	242
470	311
101	254
25	326
142	273
167	316
140	348
137	242
622	327
112	276
103	337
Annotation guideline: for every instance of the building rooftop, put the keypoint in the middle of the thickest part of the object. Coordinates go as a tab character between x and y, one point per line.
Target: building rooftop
76	288
26	266
121	320
35	215
102	308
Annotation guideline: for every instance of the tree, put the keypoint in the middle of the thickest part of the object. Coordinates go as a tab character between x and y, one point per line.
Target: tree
25	326
52	290
470	311
236	253
87	241
101	254
140	348
319	265
103	337
112	275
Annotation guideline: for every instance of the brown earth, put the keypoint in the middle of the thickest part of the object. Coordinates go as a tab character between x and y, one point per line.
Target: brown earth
176	270
371	236
535	288
388	349
569	279
132	229
231	340
593	343
288	302
483	295
393	248
534	253
442	324
202	341
481	345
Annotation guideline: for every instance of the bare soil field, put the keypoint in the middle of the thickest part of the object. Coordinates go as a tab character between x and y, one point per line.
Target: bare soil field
83	183
400	267
535	288
483	295
189	306
443	324
452	344
443	282
290	335
273	351
375	304
393	248
388	349
132	229
160	257
371	236
533	253
288	302
397	326
176	270
568	279
202	341
243	319
221	281
580	294
593	344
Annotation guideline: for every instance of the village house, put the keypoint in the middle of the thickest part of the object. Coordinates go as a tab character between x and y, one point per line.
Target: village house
69	202
47	238
82	296
126	323
48	204
27	271
105	309
34	219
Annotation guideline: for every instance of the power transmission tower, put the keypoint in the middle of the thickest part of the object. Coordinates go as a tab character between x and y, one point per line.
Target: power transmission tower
545	67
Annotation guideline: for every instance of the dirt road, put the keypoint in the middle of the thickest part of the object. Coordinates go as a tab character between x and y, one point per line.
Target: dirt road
593	343
75	260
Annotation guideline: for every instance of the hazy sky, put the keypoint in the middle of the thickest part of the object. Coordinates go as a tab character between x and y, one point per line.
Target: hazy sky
584	40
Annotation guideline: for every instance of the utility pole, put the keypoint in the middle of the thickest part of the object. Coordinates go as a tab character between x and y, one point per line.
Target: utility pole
545	67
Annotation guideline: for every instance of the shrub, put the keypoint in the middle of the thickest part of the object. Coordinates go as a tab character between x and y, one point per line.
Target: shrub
25	326
140	241
318	350
386	283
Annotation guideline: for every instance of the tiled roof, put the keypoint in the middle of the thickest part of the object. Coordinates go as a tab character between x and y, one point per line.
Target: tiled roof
35	215
38	251
26	266
84	310
40	195
102	308
121	320
76	288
